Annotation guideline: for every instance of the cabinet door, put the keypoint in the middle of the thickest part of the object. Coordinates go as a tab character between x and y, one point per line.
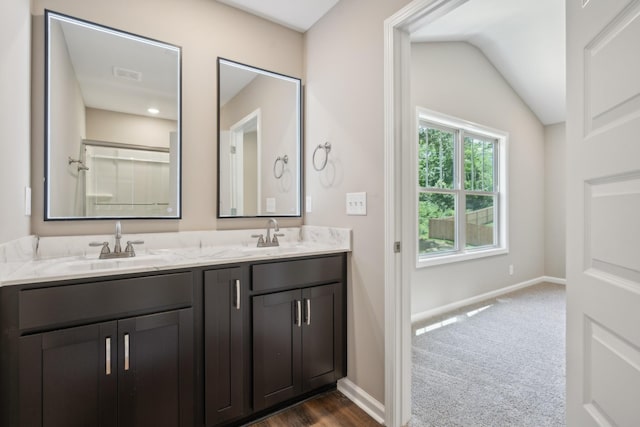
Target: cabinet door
155	357
321	335
224	345
276	347
69	377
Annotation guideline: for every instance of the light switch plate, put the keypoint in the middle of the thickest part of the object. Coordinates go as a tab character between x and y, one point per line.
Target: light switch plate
357	203
308	204
27	201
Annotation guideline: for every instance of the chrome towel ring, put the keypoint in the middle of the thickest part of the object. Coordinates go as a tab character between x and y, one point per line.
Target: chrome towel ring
81	165
284	160
327	148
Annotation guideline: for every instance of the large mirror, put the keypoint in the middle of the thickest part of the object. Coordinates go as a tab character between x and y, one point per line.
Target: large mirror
112	123
259	142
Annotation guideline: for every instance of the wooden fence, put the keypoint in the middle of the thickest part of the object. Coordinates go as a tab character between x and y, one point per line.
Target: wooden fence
478	234
481	216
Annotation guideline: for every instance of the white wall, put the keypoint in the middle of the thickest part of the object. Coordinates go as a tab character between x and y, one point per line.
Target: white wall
15	33
554	203
110	126
276	100
344	104
205	29
458	80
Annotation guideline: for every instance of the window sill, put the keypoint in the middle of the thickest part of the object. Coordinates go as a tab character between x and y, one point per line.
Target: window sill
459	257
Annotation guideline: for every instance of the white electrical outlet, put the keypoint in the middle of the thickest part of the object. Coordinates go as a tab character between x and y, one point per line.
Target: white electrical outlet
510	269
271	204
308	204
357	203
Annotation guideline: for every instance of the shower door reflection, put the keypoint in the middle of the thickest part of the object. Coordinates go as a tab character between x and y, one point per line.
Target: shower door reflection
127	180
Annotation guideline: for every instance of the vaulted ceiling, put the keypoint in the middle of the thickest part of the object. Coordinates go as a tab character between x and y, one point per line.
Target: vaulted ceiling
524	39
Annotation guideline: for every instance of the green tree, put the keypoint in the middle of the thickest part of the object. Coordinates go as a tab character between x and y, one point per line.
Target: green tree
435	156
436	170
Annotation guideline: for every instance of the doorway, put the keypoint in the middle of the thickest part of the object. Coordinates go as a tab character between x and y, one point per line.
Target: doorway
399	128
242	145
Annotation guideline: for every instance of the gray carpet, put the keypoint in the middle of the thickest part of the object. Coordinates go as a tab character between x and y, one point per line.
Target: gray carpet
502	366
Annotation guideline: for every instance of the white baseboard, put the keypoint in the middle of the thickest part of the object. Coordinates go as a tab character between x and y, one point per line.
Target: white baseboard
425	315
556	280
363	399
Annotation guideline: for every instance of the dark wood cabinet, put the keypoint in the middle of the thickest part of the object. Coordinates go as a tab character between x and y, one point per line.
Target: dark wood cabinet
226	352
322	336
116	352
155	370
130	372
297	342
206	346
276	348
69	377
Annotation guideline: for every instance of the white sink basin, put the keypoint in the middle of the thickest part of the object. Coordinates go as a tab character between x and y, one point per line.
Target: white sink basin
92	264
161	258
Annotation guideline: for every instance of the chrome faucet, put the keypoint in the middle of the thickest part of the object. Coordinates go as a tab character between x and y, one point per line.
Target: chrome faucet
270	222
117	249
269	241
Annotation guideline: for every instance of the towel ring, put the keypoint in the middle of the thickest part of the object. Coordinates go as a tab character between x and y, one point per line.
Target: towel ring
284	160
327	148
81	165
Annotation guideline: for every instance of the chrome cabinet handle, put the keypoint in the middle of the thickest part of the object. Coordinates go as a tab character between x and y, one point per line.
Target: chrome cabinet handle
237	305
126	352
107	353
308	313
299	312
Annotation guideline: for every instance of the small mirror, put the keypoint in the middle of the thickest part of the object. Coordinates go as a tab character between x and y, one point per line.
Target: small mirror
259	142
112	123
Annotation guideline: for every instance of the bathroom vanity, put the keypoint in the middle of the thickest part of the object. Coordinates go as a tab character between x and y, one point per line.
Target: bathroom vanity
201	328
220	335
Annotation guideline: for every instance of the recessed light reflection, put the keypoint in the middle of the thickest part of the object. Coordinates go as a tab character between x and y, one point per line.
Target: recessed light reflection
153	110
450	320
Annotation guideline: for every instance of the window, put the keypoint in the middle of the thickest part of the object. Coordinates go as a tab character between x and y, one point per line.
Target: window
461	190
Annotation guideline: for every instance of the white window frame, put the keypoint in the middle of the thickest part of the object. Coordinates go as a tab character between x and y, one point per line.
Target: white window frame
501	228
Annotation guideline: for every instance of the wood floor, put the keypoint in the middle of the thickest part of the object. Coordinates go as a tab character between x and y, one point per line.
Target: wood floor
330	409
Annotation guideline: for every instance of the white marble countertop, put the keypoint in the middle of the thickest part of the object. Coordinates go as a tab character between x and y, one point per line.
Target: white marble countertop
48	259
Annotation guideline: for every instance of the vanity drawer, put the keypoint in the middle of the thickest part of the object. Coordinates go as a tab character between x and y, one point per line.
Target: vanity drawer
299	273
75	304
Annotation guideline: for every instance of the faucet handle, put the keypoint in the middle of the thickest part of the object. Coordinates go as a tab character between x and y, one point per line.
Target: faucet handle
260	239
275	238
129	249
105	247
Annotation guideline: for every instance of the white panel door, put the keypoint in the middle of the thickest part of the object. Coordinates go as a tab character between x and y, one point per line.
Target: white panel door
603	227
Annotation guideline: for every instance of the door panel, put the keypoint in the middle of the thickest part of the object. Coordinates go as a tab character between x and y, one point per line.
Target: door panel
319	335
276	348
224	347
603	268
152	383
612	245
610	361
72	385
613	88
